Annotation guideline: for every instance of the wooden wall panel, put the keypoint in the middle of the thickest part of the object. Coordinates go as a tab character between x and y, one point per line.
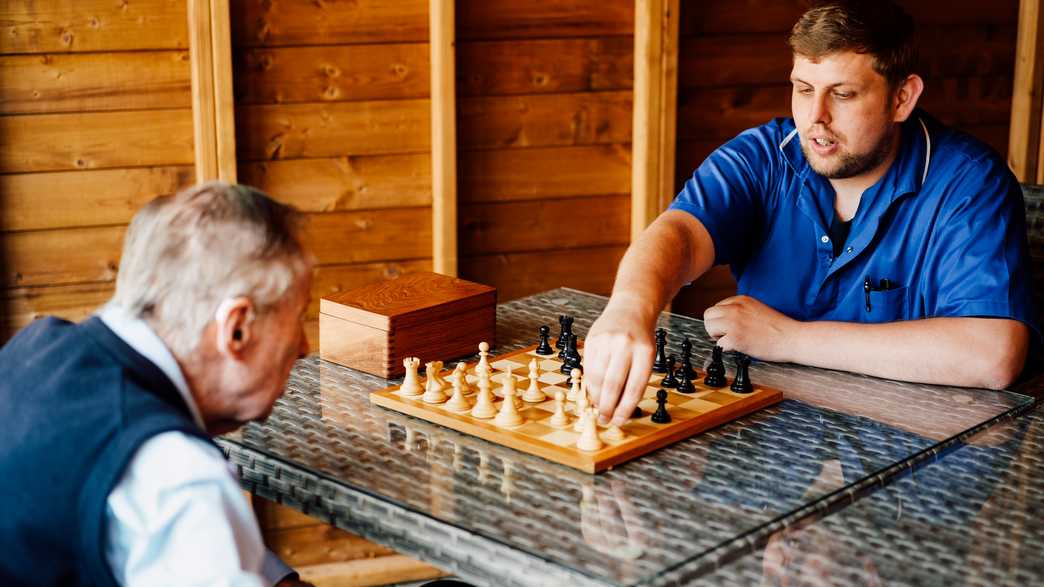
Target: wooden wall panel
281	23
734	70
95	120
81	82
95	140
515	274
331	73
544	128
345	183
523	174
544	120
333	117
34	26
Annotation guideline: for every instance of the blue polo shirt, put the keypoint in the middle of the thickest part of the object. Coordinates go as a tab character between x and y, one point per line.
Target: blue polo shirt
942	233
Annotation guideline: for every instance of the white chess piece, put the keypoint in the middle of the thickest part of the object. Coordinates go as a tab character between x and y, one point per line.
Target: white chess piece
457	402
508	415
433	391
483	362
484	408
613	434
411	386
461	372
559	419
533	394
437	374
581	406
589	440
576	375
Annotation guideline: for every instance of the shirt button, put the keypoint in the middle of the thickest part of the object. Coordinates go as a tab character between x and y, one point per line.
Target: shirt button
825	239
849	250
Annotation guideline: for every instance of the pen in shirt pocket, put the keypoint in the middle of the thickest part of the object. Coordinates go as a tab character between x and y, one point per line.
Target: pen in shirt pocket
868	286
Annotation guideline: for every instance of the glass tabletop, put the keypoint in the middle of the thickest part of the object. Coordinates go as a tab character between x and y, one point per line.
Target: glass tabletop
491	514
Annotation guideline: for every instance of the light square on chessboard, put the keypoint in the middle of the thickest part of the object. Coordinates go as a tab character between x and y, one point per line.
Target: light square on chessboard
699	405
719	397
561	437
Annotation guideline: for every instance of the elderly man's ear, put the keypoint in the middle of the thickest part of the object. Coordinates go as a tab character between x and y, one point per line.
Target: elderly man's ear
234	321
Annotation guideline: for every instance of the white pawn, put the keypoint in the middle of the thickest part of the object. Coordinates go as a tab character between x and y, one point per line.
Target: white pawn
533	394
589	440
433	392
581	407
410	387
484	408
483	363
576	375
613	434
458	403
508	416
460	373
559	419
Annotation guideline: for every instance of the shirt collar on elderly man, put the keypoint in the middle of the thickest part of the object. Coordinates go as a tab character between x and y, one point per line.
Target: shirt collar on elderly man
140	337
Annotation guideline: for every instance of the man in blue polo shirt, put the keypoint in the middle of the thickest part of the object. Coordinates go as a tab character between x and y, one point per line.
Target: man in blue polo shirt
863	234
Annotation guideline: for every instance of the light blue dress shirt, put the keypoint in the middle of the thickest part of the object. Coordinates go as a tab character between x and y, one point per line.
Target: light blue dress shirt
178	516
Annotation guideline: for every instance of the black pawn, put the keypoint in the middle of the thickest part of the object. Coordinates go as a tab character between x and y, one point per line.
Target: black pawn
669	381
565	328
544	348
660	416
716	370
660	362
637	413
690	373
742	382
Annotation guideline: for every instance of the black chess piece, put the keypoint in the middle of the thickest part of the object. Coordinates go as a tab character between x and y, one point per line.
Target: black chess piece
544	348
572	358
660	362
565	328
742	382
669	381
684	383
690	373
716	370
637	413
660	416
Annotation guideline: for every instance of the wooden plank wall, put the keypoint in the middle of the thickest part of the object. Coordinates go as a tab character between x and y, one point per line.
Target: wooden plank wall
733	71
544	130
332	116
95	120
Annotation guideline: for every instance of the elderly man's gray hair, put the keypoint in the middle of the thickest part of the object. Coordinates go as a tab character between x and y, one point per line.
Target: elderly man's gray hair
184	254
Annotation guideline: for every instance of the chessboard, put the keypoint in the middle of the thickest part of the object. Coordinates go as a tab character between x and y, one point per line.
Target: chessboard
690	413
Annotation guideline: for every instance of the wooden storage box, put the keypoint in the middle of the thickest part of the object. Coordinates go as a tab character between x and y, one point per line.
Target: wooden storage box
425	315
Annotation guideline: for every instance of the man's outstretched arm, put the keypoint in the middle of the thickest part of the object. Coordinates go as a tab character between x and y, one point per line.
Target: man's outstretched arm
970	352
618	351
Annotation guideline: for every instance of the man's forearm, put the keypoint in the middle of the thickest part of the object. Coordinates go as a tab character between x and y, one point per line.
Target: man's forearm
675	250
973	352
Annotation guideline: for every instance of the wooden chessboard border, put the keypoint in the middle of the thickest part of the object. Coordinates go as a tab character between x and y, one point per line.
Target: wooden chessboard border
589	462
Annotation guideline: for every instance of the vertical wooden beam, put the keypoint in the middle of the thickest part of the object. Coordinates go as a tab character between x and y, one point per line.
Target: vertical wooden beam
443	137
1024	137
213	114
201	61
224	106
655	110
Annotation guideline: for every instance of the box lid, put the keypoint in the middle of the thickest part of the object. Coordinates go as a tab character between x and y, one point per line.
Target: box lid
409	299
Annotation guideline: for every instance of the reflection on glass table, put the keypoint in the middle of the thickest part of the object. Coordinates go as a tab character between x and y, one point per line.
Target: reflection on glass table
496	516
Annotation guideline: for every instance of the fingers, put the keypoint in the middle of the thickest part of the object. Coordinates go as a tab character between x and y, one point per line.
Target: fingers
615	377
596	357
637	379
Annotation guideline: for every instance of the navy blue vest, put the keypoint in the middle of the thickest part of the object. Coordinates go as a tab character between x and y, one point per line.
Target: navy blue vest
76	402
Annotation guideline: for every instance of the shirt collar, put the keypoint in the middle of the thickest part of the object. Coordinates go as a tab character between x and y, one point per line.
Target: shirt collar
140	337
907	173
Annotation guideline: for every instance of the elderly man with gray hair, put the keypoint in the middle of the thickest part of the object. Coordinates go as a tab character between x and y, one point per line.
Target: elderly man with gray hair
110	475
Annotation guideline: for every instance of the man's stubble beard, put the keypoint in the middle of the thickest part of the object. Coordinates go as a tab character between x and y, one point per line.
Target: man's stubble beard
851	165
